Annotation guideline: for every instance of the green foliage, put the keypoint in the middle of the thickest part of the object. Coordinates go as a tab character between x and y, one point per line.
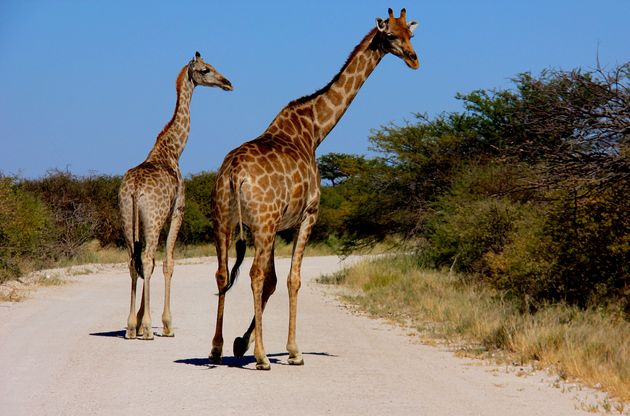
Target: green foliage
73	207
592	235
337	167
197	224
526	189
101	195
471	221
524	267
26	230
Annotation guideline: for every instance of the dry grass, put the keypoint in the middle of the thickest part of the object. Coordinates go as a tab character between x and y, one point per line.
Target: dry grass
592	346
10	293
93	253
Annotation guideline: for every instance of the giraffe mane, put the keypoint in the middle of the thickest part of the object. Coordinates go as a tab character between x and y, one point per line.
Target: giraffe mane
178	86
369	38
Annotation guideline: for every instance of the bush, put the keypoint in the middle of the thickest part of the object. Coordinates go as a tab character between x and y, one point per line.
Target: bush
593	240
26	230
525	267
100	194
473	221
73	209
197	224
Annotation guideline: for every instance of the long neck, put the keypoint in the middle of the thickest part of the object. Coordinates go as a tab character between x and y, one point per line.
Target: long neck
311	118
171	141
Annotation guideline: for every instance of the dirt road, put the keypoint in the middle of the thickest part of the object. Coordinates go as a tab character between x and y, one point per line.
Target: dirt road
62	352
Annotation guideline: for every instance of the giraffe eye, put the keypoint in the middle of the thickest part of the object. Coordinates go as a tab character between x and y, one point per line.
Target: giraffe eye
391	36
205	70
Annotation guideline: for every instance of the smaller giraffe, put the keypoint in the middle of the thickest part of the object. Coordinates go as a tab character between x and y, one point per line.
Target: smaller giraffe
153	192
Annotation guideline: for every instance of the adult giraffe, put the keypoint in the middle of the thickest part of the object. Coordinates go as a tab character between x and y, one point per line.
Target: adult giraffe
153	192
272	183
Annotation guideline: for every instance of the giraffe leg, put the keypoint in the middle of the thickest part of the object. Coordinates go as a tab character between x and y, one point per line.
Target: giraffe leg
132	321
242	344
126	213
176	222
294	283
264	247
144	314
222	241
140	314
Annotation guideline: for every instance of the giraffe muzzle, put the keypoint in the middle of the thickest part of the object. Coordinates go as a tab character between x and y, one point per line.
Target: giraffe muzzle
226	85
411	59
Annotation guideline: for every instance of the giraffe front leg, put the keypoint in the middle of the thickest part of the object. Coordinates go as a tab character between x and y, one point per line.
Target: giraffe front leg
168	265
294	283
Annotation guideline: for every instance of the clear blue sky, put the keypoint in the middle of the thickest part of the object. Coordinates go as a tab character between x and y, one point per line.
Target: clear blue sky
88	85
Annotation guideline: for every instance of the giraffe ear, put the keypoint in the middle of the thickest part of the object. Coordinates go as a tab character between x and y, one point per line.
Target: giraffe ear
412	26
381	24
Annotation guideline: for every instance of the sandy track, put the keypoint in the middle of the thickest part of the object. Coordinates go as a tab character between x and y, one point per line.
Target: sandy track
62	353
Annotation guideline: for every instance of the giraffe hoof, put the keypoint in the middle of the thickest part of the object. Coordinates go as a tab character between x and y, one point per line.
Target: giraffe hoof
147	336
240	346
263	366
130	334
215	357
297	360
168	333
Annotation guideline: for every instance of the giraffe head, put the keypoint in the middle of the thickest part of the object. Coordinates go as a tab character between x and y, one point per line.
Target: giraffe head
396	37
202	73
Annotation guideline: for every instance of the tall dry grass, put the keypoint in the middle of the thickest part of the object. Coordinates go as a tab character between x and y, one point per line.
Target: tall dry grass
92	252
590	345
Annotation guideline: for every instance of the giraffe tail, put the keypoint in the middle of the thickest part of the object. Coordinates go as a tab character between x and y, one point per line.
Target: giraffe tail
137	244
240	255
241	246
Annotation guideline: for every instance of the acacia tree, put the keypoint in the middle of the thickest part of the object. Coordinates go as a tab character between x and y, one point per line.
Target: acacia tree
578	124
337	167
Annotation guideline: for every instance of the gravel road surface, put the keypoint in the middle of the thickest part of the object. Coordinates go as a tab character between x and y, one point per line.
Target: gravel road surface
62	352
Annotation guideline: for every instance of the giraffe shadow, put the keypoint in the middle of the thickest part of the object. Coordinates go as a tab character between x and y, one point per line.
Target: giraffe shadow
110	334
122	332
243	362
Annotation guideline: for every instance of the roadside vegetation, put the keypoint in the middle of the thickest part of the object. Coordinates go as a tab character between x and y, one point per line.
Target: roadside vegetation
590	345
523	197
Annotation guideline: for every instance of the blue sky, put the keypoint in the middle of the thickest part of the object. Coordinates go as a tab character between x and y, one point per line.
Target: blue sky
88	85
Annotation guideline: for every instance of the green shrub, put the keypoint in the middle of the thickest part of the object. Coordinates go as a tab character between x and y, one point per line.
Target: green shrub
73	207
473	222
27	232
197	224
196	227
592	234
526	265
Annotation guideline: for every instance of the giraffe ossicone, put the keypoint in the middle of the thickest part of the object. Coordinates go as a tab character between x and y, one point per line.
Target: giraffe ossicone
271	183
153	192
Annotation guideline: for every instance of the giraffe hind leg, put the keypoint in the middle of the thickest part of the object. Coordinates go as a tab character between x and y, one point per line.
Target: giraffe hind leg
242	344
132	321
145	330
222	242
